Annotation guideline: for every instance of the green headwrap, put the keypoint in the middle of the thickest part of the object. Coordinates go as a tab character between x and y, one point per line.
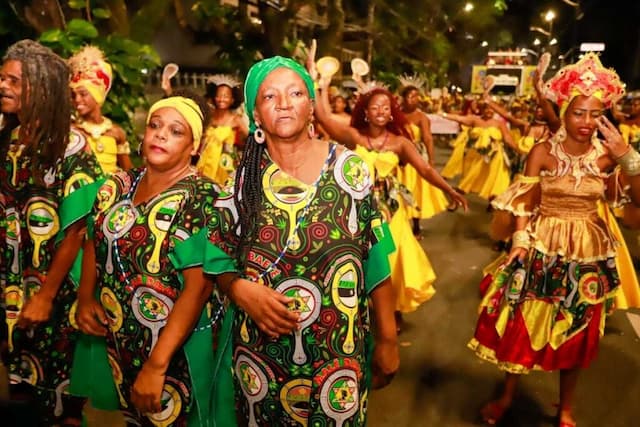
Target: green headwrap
260	71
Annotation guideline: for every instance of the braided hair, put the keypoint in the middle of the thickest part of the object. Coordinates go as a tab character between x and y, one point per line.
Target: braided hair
248	198
45	113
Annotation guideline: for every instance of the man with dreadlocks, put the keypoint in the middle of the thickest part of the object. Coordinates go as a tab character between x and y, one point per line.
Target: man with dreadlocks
47	181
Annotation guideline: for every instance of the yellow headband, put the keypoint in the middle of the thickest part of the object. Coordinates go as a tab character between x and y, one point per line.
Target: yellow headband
187	109
97	91
575	92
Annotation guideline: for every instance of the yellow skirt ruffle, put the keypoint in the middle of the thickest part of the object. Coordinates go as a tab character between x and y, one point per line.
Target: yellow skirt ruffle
629	294
485	179
428	200
454	166
412	275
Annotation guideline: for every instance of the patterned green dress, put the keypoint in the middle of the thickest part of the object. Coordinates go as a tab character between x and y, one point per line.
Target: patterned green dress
140	254
325	246
36	217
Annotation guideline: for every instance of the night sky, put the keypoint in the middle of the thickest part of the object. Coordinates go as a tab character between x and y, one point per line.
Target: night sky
613	22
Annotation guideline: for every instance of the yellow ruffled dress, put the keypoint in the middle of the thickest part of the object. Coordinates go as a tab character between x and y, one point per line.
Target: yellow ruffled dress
412	275
486	164
218	159
427	199
549	312
454	166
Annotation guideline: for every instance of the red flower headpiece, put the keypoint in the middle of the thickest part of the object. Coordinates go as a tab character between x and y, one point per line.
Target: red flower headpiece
586	77
90	70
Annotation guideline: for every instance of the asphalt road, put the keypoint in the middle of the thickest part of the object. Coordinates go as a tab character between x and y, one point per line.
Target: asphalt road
442	383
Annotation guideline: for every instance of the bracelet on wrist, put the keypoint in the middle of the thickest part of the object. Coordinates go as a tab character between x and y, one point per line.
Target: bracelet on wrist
630	162
521	239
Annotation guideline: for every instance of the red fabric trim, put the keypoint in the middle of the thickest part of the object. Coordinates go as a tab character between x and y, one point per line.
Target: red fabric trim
515	347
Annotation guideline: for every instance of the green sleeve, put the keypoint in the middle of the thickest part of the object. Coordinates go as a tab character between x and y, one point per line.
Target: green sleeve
376	266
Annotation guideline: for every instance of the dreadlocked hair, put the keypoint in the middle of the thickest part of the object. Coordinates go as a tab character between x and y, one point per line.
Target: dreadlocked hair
248	199
45	113
398	126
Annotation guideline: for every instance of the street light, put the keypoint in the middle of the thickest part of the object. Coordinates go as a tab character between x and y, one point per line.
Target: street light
553	41
484	44
549	16
536	42
468	7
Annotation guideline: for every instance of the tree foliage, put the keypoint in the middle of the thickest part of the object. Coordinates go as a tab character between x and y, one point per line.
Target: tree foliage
67	26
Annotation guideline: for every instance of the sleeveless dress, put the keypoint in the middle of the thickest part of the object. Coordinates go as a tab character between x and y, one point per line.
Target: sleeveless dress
325	246
549	312
412	275
427	199
219	156
105	148
486	169
454	166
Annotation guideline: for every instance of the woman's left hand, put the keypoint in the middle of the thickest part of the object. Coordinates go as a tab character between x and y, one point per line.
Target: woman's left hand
36	310
459	199
386	362
147	390
613	141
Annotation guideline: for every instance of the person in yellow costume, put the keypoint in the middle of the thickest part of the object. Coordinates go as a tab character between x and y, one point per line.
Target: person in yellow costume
220	152
379	135
91	78
630	125
428	200
629	295
455	164
546	305
486	167
531	132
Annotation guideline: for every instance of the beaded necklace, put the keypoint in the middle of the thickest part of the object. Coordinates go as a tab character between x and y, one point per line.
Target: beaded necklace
116	251
384	141
290	240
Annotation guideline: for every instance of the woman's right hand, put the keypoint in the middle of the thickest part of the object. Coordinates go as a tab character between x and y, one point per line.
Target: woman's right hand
516	253
268	309
91	317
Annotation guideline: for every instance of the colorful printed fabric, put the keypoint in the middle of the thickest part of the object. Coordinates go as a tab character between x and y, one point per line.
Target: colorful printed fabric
140	253
37	216
338	254
550	312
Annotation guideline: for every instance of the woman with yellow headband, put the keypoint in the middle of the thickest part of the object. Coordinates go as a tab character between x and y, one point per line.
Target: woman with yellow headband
311	254
142	285
91	78
546	306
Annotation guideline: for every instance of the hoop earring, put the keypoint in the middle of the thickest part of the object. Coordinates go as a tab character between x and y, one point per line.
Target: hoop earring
258	135
366	119
312	131
139	150
392	119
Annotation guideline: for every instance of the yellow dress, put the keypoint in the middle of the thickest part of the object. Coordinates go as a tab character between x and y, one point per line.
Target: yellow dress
487	173
106	151
218	159
412	275
454	165
104	147
427	199
630	134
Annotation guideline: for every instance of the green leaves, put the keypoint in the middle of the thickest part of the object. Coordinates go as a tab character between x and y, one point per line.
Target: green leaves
101	13
82	28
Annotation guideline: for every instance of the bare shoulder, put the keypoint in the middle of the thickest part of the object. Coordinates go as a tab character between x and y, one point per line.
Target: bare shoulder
118	133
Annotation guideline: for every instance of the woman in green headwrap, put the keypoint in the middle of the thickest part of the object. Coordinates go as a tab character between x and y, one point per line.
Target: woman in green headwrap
310	251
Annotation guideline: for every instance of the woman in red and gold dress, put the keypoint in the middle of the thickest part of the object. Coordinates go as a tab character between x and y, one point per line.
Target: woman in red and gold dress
546	306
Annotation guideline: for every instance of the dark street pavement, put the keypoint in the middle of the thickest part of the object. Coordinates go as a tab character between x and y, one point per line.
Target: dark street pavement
442	383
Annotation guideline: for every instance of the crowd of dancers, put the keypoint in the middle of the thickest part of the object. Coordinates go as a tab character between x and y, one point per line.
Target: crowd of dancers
254	269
